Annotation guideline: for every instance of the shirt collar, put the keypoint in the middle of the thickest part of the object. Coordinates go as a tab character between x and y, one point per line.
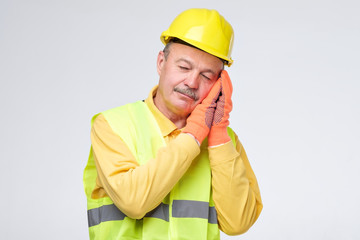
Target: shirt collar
166	126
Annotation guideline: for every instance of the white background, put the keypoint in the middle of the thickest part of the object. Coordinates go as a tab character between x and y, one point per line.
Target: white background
296	106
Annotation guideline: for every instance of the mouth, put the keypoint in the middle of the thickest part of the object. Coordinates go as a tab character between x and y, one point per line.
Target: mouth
187	93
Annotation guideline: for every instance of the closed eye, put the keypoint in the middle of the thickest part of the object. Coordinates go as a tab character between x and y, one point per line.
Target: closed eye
205	76
183	68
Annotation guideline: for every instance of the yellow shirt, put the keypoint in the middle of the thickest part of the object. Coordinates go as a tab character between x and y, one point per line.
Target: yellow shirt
136	189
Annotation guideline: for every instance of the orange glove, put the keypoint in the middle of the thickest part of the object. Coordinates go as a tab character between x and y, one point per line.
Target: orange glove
199	122
218	133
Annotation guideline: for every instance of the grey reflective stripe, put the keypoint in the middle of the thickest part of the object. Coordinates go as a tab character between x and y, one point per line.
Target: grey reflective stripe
180	209
161	211
194	209
112	213
212	215
103	214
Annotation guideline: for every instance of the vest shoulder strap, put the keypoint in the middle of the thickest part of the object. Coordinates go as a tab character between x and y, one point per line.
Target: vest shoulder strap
137	127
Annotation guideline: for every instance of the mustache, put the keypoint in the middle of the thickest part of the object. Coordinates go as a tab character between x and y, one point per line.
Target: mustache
188	92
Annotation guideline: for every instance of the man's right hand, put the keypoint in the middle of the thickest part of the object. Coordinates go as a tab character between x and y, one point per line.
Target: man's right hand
200	120
218	134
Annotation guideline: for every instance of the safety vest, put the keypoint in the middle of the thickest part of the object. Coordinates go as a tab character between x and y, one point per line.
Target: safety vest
187	212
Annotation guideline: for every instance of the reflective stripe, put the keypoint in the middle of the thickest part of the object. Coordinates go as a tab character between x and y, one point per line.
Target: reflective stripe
161	211
212	215
180	209
194	209
112	213
103	214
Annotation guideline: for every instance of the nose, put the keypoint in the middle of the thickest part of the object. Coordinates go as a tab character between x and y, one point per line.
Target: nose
192	80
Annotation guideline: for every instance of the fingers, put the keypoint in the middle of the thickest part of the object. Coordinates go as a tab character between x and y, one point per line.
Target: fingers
218	133
226	82
225	101
214	92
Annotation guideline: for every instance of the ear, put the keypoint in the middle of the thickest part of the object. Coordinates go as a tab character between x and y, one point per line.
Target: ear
160	62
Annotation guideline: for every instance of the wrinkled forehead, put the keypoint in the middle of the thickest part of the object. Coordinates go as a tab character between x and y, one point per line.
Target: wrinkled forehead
195	57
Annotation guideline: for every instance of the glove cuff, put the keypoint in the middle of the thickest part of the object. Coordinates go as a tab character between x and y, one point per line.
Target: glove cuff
218	135
199	132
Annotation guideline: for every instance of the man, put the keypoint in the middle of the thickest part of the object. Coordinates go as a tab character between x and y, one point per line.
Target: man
169	167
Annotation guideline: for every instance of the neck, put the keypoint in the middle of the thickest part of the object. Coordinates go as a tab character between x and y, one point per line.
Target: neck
179	122
178	119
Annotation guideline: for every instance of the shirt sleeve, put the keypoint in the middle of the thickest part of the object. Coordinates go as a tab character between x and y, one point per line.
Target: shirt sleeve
235	189
137	189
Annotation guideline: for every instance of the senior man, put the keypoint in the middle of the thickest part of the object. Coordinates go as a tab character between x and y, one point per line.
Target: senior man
169	167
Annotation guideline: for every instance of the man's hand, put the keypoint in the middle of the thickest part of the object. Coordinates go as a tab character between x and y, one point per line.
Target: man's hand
200	120
218	134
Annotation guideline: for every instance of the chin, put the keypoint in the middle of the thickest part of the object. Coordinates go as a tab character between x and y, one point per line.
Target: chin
184	110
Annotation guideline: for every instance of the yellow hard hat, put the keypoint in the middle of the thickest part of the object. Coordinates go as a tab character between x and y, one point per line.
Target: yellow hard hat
205	29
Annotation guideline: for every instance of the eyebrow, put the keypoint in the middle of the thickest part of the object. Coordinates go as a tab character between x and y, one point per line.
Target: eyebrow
190	63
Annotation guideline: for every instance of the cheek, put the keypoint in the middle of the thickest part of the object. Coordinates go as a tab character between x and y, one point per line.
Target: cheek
203	93
205	89
167	83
